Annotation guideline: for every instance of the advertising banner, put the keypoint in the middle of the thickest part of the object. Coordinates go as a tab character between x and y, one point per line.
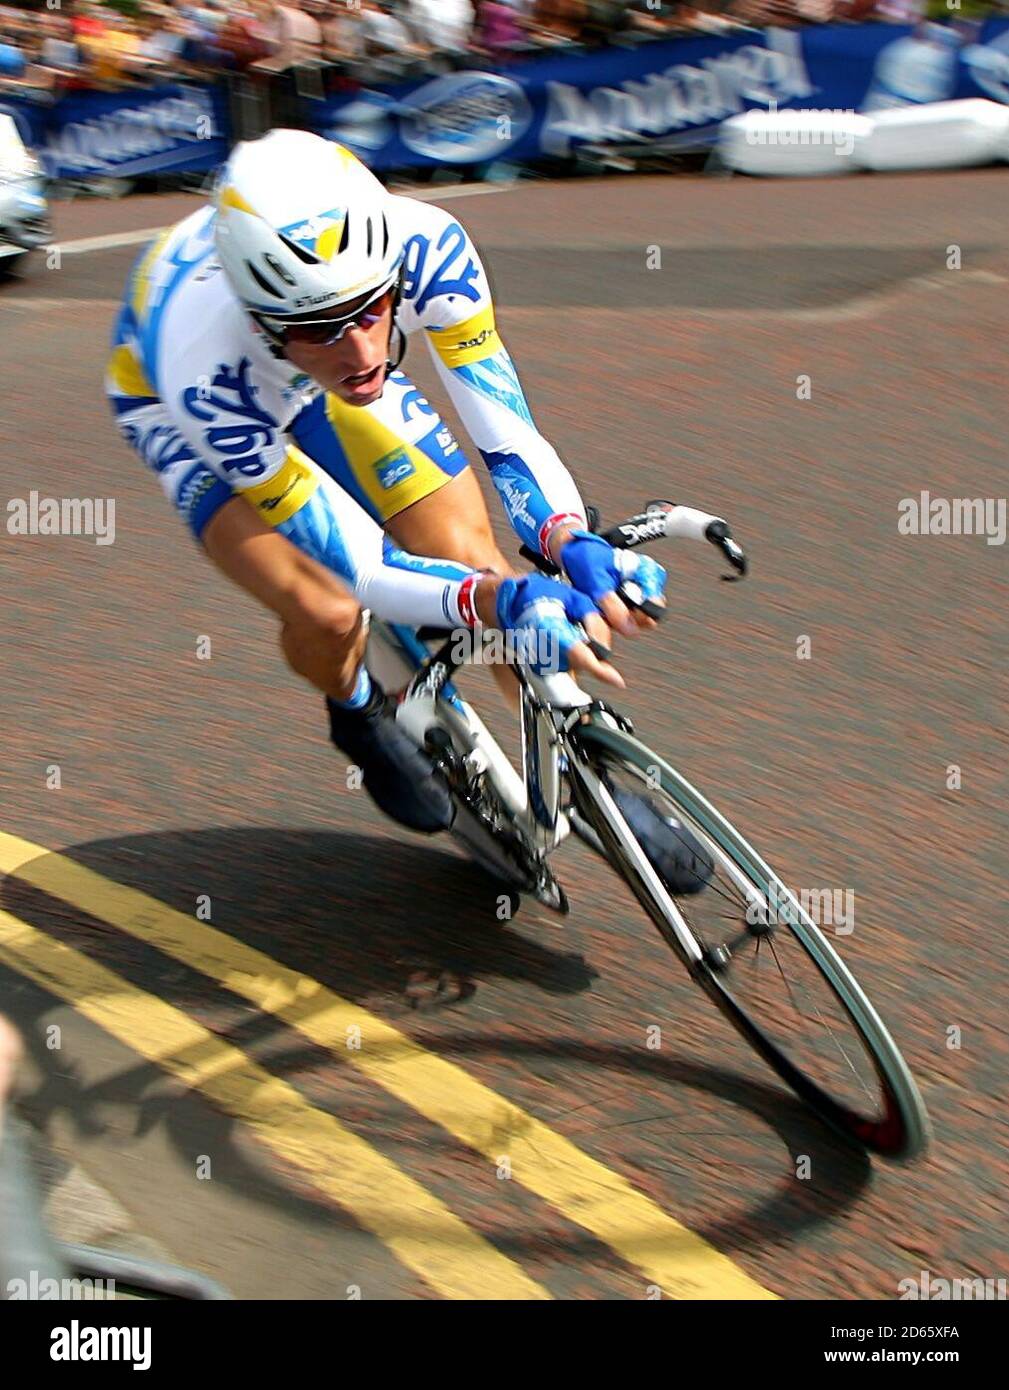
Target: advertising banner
676	91
164	129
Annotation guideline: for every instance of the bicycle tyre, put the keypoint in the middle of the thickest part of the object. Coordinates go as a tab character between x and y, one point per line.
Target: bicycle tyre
902	1130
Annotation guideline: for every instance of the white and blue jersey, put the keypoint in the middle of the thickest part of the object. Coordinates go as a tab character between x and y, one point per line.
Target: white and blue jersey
205	400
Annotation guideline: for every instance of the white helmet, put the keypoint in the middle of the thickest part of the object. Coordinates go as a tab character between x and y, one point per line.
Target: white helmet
302	225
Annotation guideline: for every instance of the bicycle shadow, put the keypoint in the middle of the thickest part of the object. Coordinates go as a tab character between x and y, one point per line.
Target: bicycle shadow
347	911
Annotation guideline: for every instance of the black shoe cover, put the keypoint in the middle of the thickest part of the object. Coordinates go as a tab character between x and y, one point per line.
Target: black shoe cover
676	855
398	777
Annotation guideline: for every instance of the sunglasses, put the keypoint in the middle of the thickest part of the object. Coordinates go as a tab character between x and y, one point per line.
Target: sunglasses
325	332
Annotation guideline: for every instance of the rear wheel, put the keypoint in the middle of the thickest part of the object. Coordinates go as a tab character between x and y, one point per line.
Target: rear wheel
755	949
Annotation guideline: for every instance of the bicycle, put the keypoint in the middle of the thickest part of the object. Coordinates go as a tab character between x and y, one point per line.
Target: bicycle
734	937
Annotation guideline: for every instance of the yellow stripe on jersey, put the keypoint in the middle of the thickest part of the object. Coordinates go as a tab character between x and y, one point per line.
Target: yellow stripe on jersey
472	341
392	472
141	283
287	491
126	374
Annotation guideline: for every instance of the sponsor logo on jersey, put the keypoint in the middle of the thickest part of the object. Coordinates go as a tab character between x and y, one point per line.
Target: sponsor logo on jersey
237	426
193	487
446	442
394	468
160	446
300	385
269	503
517	500
479	340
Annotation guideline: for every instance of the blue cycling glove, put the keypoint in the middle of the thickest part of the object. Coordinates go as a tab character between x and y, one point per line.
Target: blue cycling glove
539	617
596	569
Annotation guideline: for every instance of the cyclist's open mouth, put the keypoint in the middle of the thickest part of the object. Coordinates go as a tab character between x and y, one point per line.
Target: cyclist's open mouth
363	383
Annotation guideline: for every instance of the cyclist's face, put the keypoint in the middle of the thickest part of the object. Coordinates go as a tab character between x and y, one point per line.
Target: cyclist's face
353	368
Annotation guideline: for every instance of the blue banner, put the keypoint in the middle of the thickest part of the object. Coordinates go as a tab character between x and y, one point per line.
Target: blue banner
677	91
164	129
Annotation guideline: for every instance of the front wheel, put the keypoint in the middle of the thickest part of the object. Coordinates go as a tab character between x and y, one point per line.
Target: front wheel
754	948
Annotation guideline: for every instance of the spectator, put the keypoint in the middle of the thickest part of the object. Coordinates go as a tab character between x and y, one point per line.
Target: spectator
60	50
12	59
343	34
558	21
900	11
302	35
499	30
604	19
657	18
383	32
444	26
245	38
293	36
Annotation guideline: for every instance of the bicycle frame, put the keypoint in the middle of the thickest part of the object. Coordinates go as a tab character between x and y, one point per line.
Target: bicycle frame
550	704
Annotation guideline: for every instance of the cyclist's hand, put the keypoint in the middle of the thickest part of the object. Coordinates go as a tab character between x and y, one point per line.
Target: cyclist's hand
547	622
597	570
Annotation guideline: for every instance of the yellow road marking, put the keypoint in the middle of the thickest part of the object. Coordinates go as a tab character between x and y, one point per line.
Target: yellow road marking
420	1230
586	1192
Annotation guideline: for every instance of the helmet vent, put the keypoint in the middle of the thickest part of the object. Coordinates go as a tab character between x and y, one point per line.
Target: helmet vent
371	236
302	252
345	239
385	235
262	281
276	266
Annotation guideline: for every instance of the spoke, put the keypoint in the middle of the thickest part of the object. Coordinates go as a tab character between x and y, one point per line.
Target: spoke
826	1026
794	1003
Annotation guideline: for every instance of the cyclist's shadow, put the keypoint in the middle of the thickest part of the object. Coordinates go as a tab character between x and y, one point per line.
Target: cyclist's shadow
394	924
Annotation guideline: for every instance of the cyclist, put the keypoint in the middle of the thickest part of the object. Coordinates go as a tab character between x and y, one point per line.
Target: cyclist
255	368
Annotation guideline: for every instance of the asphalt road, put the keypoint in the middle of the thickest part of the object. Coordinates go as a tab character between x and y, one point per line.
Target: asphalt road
208	1071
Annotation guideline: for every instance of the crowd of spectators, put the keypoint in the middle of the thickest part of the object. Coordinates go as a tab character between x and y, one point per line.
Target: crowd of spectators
65	45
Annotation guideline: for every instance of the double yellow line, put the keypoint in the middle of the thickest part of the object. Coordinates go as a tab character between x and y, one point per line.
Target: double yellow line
424	1234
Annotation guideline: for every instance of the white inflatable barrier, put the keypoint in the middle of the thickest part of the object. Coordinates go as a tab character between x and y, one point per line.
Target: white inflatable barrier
797	143
941	135
938	135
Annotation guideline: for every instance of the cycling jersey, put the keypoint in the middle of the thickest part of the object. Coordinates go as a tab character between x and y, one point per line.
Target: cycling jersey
211	407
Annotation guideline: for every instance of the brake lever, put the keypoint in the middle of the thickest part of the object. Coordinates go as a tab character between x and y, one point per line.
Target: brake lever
719	535
598	649
630	594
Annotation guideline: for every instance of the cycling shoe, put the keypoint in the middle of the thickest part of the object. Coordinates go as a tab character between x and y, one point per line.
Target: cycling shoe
676	855
397	776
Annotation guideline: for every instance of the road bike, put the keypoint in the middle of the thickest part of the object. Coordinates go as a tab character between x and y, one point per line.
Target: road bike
745	939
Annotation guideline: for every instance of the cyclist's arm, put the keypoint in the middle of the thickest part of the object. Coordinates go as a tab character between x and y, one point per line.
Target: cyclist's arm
448	294
249	455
